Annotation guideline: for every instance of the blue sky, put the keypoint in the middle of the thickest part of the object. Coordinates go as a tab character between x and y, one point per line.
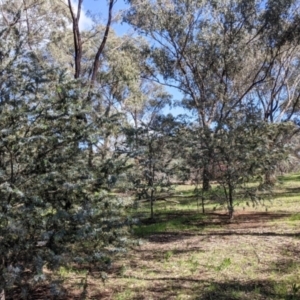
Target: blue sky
100	7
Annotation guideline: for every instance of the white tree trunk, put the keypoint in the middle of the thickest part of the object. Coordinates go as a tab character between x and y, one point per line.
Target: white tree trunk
2	295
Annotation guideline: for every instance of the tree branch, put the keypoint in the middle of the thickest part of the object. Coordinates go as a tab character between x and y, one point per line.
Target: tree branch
102	45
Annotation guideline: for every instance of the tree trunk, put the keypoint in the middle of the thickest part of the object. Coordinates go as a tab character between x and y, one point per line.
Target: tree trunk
202	203
230	202
2	295
270	178
205	179
151	205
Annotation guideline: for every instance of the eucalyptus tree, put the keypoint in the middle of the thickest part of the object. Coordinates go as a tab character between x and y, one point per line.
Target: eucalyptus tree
116	88
191	156
242	153
39	20
215	53
151	142
278	97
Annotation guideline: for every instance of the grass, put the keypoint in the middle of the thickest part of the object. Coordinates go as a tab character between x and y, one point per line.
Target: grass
165	222
295	217
189	255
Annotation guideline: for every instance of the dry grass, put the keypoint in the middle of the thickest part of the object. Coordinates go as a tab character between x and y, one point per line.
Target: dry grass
185	255
253	257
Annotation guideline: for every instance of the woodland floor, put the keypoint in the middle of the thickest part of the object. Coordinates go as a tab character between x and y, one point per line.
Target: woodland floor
188	255
254	257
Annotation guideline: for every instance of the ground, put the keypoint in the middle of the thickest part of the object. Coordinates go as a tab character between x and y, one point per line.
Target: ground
184	254
254	257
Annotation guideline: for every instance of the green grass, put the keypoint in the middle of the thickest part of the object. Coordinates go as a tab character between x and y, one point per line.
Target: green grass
289	177
164	222
66	272
189	255
295	217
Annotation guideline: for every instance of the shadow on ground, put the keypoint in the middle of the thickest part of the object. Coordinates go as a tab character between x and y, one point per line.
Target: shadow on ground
168	288
218	218
177	288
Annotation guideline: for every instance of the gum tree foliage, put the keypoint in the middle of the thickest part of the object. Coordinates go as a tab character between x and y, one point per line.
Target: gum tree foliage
151	142
221	54
244	149
120	90
193	153
39	21
53	210
279	97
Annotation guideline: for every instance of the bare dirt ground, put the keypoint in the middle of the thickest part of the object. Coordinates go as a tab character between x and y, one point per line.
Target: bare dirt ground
254	256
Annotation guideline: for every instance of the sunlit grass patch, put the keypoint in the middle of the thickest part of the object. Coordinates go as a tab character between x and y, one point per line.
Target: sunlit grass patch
184	189
295	217
66	272
289	177
167	222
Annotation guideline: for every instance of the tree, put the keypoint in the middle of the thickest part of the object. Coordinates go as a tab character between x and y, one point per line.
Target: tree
192	156
53	210
215	53
243	153
39	21
151	141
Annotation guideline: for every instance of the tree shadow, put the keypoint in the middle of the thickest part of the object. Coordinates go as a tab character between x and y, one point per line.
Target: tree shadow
241	218
179	288
233	290
284	266
244	223
169	237
212	218
288	263
295	190
165	288
39	292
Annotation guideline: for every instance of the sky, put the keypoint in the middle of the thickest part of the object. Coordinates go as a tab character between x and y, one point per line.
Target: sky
100	7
